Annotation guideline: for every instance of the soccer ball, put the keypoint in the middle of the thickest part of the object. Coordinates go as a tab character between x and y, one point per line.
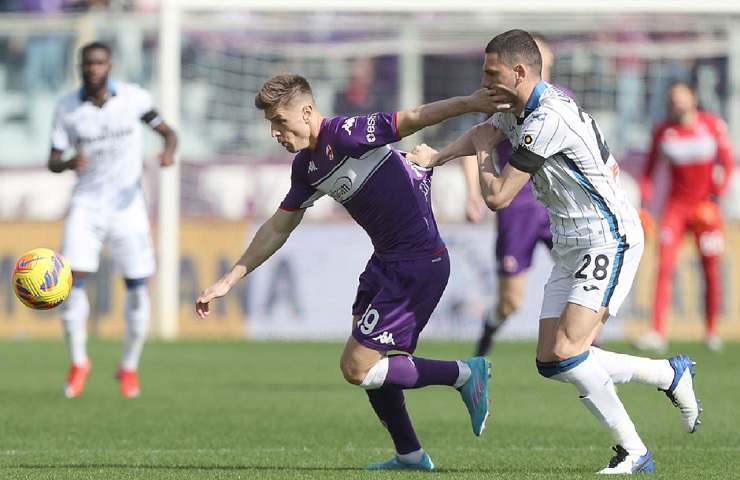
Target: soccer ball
41	279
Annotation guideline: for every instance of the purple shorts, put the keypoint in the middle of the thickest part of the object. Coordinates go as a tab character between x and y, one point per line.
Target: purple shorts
395	300
519	230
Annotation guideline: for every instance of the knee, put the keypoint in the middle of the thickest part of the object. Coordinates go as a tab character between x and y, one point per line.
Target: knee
352	372
563	349
508	305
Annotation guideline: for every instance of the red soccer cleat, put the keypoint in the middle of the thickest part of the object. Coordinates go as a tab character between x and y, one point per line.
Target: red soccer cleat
129	383
76	379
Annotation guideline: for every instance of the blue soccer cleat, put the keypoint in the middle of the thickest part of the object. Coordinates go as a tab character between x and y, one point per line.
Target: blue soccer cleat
394	463
475	392
626	463
681	392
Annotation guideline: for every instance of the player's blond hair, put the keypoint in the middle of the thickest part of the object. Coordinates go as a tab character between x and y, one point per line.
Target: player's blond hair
280	90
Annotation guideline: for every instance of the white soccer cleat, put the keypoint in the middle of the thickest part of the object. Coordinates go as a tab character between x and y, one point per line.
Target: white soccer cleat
681	392
651	342
626	463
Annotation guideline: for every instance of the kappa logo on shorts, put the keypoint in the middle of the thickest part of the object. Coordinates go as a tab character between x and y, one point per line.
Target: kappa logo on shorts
386	338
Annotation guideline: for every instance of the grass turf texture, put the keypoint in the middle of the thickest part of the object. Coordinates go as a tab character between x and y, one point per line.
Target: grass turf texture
282	410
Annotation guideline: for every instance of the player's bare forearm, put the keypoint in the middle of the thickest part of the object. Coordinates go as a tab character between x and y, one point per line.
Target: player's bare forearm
499	190
411	121
169	136
461	147
484	100
489	181
269	238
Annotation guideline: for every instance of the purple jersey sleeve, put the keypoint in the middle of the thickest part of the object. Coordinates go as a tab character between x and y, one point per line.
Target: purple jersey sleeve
301	194
355	136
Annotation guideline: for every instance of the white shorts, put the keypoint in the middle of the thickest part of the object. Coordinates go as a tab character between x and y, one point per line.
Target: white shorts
594	277
125	230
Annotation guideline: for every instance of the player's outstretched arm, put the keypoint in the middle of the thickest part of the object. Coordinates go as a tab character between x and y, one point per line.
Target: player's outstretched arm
268	240
484	100
498	190
463	146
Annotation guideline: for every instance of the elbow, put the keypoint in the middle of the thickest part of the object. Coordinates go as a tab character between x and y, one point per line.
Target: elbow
496	202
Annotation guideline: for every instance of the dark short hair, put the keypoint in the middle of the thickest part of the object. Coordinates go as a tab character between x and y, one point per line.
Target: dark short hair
681	83
280	90
95	46
516	46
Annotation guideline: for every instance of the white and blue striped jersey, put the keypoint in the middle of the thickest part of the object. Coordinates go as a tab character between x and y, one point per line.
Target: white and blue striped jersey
573	173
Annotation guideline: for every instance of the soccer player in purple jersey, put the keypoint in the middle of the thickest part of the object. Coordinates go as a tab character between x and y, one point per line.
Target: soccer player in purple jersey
349	159
519	228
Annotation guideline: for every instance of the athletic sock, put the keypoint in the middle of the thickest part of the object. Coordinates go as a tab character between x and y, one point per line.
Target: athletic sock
137	313
598	394
75	311
407	372
624	368
390	407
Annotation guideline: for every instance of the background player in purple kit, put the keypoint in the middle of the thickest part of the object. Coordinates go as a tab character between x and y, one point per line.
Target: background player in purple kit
519	228
349	159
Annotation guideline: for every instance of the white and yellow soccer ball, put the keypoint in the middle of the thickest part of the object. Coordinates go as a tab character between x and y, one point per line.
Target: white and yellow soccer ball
42	279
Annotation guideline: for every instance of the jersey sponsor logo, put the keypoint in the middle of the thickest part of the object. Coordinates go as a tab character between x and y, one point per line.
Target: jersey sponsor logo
329	153
527	139
342	186
348	124
589	288
312	167
385	338
370	131
105	134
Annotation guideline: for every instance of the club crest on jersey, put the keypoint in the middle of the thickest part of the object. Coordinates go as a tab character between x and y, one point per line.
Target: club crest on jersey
527	139
329	153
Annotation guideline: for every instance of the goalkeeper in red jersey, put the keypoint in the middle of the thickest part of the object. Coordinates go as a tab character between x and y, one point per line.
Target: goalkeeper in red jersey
696	146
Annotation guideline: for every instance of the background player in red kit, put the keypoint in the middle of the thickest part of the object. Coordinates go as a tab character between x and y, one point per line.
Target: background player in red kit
694	143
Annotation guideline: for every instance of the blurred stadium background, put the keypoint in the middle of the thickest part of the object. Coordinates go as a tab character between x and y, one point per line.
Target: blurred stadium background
204	61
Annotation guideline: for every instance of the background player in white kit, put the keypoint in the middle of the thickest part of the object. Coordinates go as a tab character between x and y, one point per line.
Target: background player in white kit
101	123
597	240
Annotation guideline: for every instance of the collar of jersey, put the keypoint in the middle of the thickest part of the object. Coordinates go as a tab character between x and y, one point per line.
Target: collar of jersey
534	100
110	86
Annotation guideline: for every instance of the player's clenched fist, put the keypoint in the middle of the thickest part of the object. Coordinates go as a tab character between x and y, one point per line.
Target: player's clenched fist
422	155
217	290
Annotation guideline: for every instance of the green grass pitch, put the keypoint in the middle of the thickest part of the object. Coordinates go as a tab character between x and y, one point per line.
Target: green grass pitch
281	410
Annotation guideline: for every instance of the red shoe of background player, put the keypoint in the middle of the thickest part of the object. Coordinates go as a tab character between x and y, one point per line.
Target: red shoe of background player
128	381
76	379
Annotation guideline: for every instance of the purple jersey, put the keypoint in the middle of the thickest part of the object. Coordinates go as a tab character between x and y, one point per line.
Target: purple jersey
388	196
